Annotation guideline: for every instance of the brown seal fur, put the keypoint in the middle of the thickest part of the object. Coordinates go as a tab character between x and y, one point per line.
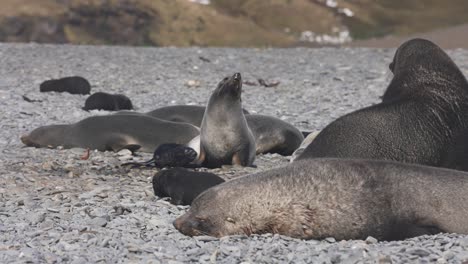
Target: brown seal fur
340	198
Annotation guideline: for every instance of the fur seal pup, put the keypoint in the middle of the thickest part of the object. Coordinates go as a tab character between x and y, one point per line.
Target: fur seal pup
225	137
109	102
192	114
340	198
423	109
182	185
113	132
168	155
73	85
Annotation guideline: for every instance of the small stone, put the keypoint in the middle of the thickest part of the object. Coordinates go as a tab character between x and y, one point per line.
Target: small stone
419	252
98	221
193	83
36	218
206	238
371	240
330	239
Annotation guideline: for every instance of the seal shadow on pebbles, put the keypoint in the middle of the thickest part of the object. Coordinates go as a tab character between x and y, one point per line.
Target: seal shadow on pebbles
113	132
423	109
73	85
340	198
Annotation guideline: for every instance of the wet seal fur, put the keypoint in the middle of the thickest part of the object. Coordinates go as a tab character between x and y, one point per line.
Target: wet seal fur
183	185
340	198
225	137
109	102
168	155
422	111
112	132
72	84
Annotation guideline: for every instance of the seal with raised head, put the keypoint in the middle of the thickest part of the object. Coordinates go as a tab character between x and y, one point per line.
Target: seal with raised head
182	185
340	198
113	132
272	135
192	114
422	111
109	102
72	84
225	137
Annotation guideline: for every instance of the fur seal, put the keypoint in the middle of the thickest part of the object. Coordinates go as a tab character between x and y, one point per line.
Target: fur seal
109	102
183	185
423	109
113	132
225	137
73	85
168	155
340	198
192	114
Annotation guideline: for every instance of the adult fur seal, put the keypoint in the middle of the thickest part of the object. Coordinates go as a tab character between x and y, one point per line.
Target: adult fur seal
113	132
340	198
109	102
192	114
423	109
225	137
182	185
73	85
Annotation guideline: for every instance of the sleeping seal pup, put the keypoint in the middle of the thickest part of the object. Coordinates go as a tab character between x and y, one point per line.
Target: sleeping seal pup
72	84
422	111
108	102
113	132
340	198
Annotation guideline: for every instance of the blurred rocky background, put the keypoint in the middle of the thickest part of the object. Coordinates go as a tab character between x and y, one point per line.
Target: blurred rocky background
235	23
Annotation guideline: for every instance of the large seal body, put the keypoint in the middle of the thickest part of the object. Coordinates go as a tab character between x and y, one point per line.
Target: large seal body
225	137
72	84
109	102
113	132
182	185
192	114
423	109
340	198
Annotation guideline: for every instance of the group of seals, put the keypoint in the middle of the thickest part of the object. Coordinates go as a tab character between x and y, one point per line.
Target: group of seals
340	198
113	132
355	178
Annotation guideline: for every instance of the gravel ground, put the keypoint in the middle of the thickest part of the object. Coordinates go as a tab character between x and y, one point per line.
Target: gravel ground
55	207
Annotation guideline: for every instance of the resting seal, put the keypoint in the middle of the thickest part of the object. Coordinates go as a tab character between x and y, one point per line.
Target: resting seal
112	132
340	198
225	137
422	111
192	114
109	102
183	185
73	85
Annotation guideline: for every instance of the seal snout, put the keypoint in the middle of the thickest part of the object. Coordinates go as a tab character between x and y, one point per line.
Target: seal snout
184	225
26	140
237	76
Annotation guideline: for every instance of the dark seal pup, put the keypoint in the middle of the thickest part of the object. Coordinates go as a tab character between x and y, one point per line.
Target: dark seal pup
182	185
109	102
73	85
340	198
113	132
168	155
192	114
423	110
225	137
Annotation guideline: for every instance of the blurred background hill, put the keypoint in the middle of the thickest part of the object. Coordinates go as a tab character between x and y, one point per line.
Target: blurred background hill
236	23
